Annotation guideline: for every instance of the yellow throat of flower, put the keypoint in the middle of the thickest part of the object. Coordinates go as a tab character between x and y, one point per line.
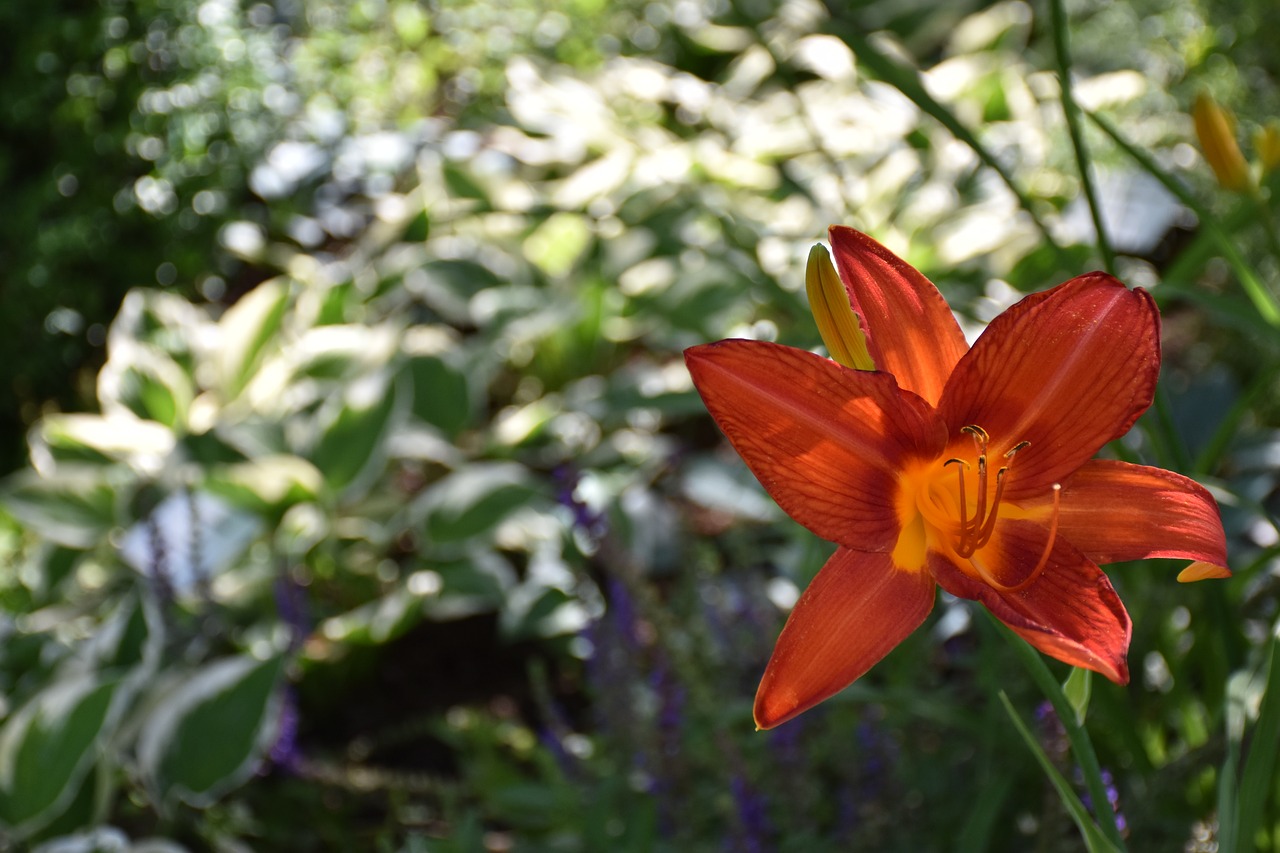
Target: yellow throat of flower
951	506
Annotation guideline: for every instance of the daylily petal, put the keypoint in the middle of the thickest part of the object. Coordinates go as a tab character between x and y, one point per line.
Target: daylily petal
909	327
856	610
1070	611
1114	511
825	441
1066	370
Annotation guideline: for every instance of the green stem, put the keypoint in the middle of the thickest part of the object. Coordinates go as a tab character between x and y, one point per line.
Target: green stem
907	81
1207	460
1268	220
1175	451
1070	109
1089	832
1081	746
1263	301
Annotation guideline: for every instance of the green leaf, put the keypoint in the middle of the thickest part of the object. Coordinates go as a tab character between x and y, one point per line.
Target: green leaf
474	499
440	394
1258	780
208	735
1078	688
268	485
246	329
1081	746
131	639
1094	840
75	508
352	442
48	746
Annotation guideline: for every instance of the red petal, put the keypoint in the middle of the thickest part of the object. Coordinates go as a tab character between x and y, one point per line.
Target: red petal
910	329
1114	511
1069	612
1066	370
826	442
857	609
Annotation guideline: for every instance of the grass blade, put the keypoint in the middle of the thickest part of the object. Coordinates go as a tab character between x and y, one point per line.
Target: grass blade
1094	840
1062	52
1263	301
1258	781
1077	736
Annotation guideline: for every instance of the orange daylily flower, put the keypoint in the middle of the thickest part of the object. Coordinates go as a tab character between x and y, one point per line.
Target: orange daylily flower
969	468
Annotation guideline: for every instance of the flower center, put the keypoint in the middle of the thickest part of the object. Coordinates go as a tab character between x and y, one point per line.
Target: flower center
976	531
957	515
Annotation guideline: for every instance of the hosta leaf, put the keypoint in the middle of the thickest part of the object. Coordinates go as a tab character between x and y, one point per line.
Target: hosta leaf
208	735
246	329
48	746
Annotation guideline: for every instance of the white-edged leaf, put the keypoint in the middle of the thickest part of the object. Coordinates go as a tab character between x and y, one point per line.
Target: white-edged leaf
351	449
48	746
76	507
244	332
208	734
267	485
59	439
474	499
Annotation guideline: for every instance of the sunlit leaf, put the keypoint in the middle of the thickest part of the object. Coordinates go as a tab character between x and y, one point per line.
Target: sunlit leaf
352	440
267	485
245	330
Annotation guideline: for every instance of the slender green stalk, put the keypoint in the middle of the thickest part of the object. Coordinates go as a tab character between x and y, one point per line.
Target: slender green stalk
1175	451
1094	840
1263	300
1268	219
1081	746
1062	51
907	81
1258	779
1207	460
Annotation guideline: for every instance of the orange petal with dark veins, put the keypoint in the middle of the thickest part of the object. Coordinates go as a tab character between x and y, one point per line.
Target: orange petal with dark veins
909	327
856	610
1069	612
1066	370
825	441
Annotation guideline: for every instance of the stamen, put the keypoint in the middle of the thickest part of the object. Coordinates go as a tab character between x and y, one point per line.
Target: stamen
975	532
986	575
980	436
964	522
990	526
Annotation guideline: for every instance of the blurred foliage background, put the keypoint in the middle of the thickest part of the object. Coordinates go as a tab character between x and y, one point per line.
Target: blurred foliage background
358	497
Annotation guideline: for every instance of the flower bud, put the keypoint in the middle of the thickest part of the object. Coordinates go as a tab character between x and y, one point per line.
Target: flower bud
1217	133
839	326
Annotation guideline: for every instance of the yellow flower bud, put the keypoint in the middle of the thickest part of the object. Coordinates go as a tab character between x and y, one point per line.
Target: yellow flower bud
839	326
1217	133
1266	141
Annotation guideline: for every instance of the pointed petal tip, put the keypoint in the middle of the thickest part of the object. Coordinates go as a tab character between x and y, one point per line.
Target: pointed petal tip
772	710
1200	571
